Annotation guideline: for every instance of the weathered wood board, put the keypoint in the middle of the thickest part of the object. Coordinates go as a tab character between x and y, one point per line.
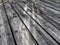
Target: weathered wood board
29	22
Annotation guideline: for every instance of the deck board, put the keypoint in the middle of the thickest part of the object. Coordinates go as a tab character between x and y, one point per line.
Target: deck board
30	22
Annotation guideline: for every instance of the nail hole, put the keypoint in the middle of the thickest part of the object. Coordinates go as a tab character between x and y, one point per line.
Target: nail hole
0	36
16	31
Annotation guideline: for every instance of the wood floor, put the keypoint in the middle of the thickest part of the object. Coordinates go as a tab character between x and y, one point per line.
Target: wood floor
29	22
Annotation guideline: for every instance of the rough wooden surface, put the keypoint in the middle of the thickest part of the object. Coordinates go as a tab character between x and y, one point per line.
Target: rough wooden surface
30	22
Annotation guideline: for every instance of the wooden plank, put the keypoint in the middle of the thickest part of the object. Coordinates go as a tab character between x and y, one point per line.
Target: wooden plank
30	22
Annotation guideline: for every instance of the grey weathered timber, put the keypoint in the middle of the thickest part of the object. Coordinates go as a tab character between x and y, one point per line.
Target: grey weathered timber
29	22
